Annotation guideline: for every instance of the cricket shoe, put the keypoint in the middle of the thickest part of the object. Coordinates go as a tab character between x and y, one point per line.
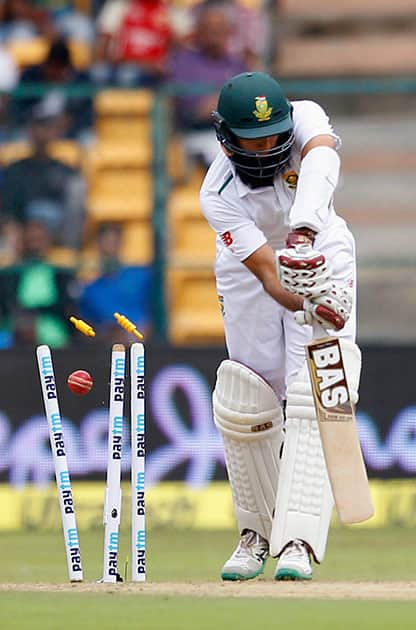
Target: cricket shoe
248	559
294	562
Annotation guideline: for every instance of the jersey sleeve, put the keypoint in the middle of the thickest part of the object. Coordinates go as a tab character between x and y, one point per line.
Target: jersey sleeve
237	231
310	120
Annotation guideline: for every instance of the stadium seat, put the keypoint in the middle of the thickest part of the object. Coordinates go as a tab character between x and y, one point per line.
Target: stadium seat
322	11
127	129
176	161
124	116
124	129
193	306
105	155
349	55
118	194
68	151
191	238
63	257
137	248
123	103
33	51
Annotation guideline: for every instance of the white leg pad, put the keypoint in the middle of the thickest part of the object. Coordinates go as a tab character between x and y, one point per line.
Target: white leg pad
304	500
250	419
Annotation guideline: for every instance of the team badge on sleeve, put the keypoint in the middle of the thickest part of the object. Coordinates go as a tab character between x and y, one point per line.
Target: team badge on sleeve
291	179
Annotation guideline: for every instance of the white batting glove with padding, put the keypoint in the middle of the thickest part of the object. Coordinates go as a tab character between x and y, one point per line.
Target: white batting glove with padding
304	271
331	311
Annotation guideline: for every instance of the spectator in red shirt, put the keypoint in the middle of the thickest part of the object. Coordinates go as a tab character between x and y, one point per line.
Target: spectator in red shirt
134	39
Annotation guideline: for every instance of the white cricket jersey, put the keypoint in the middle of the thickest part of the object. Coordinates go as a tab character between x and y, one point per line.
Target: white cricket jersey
246	218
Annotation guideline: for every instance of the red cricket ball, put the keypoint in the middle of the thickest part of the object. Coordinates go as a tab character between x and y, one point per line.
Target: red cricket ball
80	382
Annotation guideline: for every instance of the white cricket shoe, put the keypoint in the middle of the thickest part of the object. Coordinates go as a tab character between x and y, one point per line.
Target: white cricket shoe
248	559
294	562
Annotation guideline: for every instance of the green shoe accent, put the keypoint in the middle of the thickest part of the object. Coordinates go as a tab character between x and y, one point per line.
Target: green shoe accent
235	577
291	574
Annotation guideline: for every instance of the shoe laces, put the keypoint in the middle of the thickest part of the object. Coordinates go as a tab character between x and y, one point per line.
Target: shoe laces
251	539
296	549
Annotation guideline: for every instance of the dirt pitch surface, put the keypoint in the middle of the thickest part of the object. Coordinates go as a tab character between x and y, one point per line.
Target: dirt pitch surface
399	591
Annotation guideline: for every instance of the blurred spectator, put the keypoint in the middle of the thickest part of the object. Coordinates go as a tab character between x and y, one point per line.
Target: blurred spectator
21	19
248	33
11	242
35	296
41	187
9	78
133	42
9	73
59	70
70	22
115	287
197	73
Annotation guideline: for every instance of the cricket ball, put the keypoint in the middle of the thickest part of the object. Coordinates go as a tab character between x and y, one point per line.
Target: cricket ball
80	382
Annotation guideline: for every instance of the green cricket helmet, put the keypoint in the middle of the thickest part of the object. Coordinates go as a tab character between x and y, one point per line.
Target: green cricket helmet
251	106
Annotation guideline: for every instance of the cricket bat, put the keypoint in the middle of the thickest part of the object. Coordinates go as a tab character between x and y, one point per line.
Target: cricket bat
338	430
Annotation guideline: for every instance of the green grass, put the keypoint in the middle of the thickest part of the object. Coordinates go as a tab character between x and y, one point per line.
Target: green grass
172	555
192	556
54	611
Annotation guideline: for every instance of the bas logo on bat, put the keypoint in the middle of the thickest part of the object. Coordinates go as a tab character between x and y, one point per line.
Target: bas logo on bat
328	379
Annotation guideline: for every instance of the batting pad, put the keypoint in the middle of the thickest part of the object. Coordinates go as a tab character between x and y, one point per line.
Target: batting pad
304	500
250	419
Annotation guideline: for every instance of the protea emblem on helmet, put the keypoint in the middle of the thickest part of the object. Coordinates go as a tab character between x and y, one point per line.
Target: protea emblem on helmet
262	112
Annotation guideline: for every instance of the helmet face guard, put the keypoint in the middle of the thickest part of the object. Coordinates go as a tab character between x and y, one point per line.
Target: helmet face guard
251	106
257	165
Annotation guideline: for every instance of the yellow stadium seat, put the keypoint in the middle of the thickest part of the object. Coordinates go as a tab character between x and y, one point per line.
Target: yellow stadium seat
63	256
124	103
191	238
119	194
176	161
13	151
137	248
192	241
124	129
34	51
124	115
108	154
194	314
67	151
81	54
28	52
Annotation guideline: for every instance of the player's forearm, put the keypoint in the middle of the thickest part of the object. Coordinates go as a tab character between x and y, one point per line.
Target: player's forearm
263	264
290	301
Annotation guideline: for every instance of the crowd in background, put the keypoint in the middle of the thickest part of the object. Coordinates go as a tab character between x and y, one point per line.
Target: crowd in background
130	44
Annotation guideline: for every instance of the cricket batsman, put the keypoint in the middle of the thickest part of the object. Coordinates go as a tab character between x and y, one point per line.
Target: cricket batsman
284	260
